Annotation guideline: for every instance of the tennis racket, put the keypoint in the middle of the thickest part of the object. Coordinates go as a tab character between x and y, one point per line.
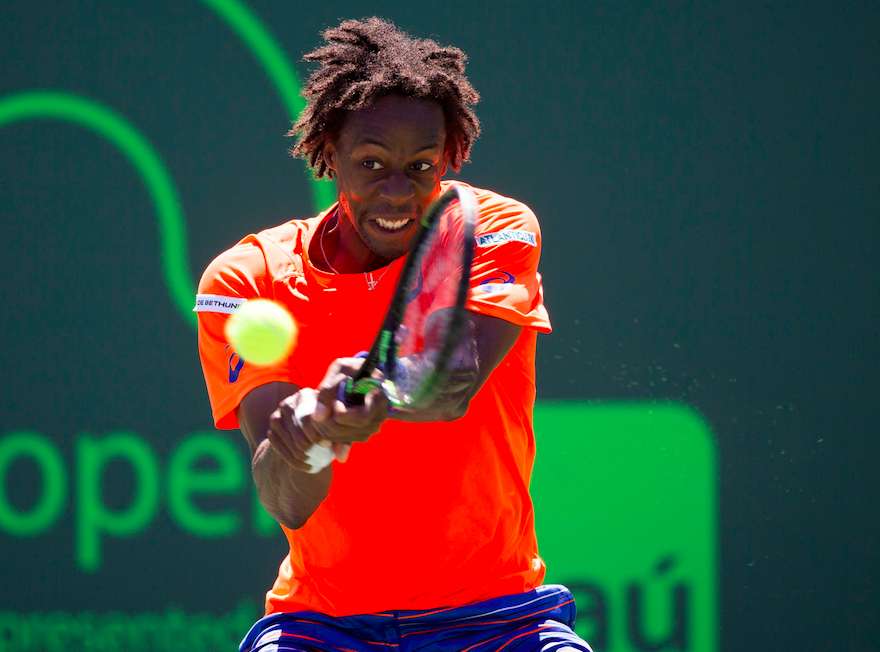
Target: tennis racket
424	324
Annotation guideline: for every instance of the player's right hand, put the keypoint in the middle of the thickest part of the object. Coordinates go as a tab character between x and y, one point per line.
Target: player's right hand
310	418
350	423
294	430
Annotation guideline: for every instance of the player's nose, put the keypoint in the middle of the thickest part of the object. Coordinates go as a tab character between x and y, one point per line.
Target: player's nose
398	189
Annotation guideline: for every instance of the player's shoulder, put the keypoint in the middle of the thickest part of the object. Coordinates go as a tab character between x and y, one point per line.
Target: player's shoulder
505	216
258	258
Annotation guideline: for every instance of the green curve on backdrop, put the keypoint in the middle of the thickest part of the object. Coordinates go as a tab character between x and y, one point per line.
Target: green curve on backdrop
29	105
267	51
103	121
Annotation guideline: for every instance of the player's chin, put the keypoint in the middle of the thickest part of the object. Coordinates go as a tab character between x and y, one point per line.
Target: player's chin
390	239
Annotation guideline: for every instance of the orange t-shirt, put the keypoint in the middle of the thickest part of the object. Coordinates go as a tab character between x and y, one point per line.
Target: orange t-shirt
422	515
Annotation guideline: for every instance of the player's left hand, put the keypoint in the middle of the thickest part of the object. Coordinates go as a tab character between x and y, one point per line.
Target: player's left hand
464	371
454	394
343	424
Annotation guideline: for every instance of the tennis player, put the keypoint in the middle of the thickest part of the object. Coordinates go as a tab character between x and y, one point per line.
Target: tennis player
420	535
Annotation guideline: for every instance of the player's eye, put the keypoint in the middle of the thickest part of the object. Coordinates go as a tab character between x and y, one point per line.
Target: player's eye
371	164
422	166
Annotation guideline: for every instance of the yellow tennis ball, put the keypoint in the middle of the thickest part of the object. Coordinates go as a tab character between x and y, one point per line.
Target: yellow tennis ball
261	331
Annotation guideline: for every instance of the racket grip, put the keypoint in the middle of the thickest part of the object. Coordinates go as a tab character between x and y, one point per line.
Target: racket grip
345	393
349	397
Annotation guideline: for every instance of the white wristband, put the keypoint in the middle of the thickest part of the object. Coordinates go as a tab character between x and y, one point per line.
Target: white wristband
318	456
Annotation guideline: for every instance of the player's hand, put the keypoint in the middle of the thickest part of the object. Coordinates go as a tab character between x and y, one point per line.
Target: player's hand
293	429
454	396
462	378
343	424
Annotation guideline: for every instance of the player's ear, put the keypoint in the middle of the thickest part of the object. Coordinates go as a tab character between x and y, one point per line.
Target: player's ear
330	156
444	164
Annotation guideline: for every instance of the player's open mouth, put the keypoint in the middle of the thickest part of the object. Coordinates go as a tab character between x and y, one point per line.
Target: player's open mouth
392	226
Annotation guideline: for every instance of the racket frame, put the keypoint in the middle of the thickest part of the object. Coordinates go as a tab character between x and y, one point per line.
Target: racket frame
383	353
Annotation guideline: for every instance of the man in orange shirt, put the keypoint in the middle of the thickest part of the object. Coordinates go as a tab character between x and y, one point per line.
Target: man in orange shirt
420	535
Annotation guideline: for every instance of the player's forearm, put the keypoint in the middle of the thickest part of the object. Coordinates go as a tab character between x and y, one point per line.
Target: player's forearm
290	496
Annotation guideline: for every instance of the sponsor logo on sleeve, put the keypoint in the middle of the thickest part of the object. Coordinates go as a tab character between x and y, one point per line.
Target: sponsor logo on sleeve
235	362
508	235
217	303
497	283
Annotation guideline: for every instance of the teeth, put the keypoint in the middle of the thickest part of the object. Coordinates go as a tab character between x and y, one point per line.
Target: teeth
392	225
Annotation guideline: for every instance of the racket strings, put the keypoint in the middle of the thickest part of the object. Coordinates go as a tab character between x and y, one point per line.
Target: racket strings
427	315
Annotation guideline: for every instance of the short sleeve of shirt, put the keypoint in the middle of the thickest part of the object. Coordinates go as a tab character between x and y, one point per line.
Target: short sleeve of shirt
235	276
505	281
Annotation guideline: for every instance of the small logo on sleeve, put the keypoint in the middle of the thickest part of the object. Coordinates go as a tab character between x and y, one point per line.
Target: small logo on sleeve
236	362
503	237
500	281
217	303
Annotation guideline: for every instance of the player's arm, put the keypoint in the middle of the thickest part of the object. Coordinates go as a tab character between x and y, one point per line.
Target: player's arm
506	264
281	422
285	487
485	342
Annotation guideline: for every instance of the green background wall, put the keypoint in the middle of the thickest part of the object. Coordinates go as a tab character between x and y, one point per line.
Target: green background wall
706	175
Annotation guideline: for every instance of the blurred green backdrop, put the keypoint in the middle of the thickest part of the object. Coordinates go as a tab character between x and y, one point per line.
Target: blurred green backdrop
706	179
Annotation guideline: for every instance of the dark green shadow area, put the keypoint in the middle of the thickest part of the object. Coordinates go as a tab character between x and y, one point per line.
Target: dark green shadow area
102	120
268	53
66	107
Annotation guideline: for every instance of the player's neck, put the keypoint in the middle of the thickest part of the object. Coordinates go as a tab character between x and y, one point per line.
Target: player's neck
344	251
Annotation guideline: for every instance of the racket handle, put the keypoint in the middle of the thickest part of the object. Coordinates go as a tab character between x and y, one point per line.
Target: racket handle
348	395
346	392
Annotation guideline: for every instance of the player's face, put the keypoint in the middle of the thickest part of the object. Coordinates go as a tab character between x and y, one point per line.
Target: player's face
388	161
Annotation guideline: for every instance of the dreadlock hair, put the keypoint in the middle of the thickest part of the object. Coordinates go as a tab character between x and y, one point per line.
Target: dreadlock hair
364	60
